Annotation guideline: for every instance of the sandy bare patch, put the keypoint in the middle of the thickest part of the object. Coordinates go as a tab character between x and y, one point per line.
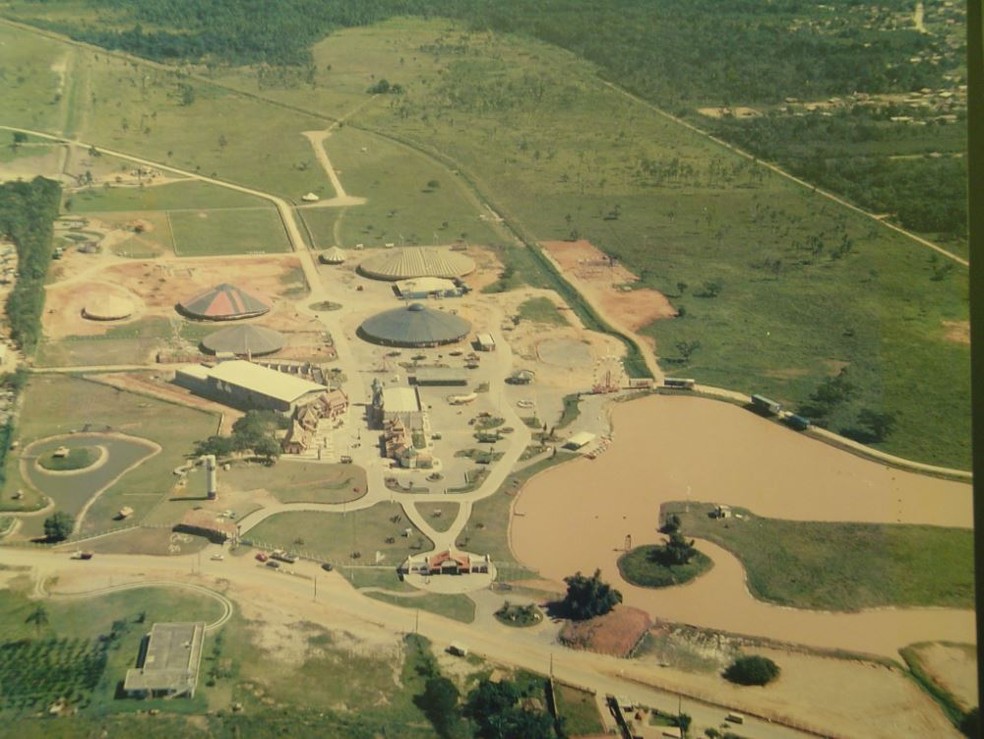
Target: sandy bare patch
608	286
737	112
156	286
958	331
954	667
831	696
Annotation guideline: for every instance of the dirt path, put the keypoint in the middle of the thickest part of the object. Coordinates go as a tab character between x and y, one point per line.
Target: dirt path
317	139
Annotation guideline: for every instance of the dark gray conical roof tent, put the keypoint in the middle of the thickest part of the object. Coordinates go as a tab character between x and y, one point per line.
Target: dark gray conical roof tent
414	325
245	341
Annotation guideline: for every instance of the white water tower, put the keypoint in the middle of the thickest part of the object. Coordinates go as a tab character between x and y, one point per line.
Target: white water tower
210	474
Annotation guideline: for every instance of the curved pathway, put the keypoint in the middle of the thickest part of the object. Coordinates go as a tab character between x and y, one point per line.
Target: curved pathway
227	607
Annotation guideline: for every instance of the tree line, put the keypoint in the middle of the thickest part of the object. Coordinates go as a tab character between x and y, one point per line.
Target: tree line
27	214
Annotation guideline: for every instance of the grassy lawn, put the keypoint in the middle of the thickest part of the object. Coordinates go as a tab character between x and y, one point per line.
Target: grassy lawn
130	343
29	92
155	241
842	566
579	710
299	482
640	567
335	537
185	195
488	528
61	403
214	232
439	515
376	577
459	607
541	310
76	459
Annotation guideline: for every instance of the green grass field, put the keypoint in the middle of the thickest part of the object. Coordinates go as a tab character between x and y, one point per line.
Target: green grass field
439	515
218	232
77	459
842	566
300	482
578	709
335	537
129	343
30	86
185	195
401	208
458	607
541	310
62	403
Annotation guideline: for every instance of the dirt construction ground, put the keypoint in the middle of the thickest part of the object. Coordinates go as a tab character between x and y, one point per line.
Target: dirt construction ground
607	286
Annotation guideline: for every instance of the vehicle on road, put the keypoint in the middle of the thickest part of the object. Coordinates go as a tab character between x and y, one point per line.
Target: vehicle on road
218	557
284	556
82	555
458	649
262	556
327	567
273	564
735	718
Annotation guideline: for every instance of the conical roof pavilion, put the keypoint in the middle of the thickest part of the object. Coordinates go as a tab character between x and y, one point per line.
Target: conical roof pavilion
223	302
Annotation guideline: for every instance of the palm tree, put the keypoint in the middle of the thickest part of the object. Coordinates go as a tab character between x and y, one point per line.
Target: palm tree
38	617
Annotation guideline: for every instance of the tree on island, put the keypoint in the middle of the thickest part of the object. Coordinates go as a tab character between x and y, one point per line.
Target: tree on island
676	551
752	670
58	526
588	597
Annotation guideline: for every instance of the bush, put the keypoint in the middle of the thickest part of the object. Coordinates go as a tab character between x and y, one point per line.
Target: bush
59	526
588	597
754	670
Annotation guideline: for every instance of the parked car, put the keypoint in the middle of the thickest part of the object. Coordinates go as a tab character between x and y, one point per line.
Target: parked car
327	567
262	556
273	564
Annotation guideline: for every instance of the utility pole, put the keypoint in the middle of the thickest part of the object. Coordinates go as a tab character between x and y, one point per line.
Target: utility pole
315	588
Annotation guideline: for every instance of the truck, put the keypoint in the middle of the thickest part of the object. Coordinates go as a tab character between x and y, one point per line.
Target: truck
82	555
679	383
766	405
458	649
284	556
798	423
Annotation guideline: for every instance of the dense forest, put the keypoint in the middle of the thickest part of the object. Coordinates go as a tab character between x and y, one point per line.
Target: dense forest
673	51
924	189
27	214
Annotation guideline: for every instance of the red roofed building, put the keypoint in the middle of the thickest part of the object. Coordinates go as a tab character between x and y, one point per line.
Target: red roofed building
448	562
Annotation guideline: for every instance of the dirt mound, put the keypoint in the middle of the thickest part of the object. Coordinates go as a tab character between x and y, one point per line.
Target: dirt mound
616	633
